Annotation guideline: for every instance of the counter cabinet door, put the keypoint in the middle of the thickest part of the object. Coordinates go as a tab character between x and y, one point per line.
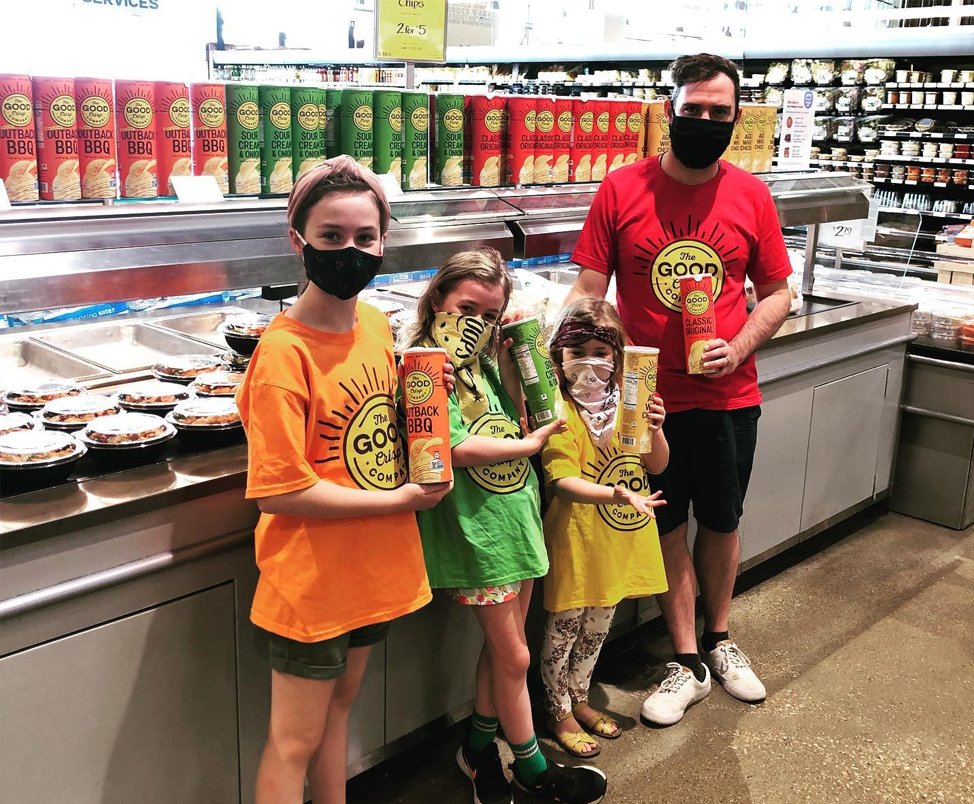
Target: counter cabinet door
140	709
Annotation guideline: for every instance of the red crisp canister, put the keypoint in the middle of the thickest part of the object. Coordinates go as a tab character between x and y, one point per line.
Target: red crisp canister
637	126
564	123
583	136
618	134
600	140
544	143
487	127
520	163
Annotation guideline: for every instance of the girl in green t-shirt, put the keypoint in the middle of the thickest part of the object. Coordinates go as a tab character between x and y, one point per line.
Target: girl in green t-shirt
483	543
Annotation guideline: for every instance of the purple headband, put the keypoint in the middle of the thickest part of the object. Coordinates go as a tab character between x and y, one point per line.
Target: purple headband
576	332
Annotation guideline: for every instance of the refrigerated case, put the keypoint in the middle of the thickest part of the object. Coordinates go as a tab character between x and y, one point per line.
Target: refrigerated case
124	595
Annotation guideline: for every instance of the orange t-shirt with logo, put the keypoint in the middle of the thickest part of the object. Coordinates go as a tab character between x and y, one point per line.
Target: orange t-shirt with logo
321	406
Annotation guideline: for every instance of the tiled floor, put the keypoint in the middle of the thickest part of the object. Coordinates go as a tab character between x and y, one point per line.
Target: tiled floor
867	650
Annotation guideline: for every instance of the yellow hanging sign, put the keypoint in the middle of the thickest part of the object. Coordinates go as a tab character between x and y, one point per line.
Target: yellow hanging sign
410	30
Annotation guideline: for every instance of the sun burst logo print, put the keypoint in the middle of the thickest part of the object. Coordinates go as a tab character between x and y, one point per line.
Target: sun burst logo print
614	468
364	434
677	251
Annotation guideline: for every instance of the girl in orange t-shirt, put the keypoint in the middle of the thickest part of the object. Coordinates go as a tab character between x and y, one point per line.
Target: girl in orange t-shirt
337	544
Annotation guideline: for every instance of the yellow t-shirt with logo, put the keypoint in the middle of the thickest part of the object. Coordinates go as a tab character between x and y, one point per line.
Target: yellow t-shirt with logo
321	406
599	554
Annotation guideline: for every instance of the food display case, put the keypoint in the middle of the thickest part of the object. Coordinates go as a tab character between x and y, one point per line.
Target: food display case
95	568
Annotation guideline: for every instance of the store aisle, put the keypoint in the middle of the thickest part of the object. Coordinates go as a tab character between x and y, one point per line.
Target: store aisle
867	650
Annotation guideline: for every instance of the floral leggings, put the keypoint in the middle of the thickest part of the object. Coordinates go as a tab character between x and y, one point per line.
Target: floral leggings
572	641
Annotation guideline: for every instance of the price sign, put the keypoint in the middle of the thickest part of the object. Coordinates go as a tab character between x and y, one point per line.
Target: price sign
410	30
851	234
4	200
197	189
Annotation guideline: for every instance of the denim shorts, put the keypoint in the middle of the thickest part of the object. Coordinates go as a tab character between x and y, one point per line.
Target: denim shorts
321	660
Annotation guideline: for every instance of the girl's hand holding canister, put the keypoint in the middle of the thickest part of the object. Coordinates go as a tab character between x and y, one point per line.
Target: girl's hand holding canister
656	414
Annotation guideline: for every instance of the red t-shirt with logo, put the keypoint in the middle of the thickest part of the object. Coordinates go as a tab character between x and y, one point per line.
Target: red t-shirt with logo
648	230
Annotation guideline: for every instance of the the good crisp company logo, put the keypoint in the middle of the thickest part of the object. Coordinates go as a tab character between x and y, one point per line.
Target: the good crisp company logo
504	477
137	113
395	118
361	432
545	122
420	118
95	111
635	122
248	115
530	120
494	120
621	122
362	117
419	387
614	468
603	122
180	113
541	346
17	110
586	121
565	120
308	116
63	111
212	113
453	120
697	302
669	254
280	115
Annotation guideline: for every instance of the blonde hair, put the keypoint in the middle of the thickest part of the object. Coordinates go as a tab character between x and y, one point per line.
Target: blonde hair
340	174
598	313
484	265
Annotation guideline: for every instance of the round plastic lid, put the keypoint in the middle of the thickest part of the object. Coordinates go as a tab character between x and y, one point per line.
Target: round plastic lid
43	392
148	394
79	406
225	380
140	428
246	326
205	409
37	442
187	365
16	421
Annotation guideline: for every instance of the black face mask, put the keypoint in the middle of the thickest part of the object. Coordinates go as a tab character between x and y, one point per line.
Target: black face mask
341	272
697	142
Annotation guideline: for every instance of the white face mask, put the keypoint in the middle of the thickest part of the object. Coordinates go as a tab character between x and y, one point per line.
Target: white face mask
589	381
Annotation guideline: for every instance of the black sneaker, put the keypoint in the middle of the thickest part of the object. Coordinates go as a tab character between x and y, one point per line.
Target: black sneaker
484	770
567	784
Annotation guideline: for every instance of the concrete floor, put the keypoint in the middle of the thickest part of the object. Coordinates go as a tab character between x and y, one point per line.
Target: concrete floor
867	651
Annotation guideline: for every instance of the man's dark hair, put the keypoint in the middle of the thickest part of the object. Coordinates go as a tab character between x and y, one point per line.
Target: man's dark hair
704	67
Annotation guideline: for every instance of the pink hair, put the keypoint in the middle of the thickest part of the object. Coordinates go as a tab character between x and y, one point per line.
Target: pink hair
340	174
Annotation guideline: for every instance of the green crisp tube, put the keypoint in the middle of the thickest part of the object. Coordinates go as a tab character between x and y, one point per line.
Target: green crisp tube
533	362
306	144
449	140
275	140
357	136
416	140
333	122
243	133
388	133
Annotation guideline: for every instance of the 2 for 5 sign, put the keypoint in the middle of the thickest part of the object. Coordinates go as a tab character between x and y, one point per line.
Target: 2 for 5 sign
411	30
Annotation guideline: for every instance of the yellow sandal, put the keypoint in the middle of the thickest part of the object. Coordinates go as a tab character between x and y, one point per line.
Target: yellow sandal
571	742
601	725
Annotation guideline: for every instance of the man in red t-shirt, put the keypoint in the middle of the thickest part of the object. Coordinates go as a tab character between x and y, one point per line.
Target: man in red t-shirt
650	224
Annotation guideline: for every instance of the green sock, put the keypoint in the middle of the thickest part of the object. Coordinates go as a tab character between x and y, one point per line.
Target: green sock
529	762
483	729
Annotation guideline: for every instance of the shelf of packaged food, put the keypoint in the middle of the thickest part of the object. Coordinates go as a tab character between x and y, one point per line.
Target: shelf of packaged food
923	184
844	163
928	213
930	107
916	135
296	57
323	85
935	160
928	85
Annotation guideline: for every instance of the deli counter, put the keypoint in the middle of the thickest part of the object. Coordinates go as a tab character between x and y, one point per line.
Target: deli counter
128	665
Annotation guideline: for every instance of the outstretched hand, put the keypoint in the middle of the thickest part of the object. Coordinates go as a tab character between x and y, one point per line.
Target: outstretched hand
643	505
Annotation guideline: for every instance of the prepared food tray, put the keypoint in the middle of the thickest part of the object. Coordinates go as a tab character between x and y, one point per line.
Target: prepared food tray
35	395
153	396
74	412
18	421
123	347
37	458
207	423
186	368
127	439
217	383
242	332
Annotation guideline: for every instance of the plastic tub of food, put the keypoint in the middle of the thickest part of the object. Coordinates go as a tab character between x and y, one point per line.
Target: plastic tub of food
74	412
37	458
18	420
234	361
217	383
207	423
878	71
34	397
823	72
850	72
242	332
127	439
153	397
185	368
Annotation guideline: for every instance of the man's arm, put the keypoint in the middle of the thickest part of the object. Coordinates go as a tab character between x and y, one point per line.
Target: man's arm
589	283
721	358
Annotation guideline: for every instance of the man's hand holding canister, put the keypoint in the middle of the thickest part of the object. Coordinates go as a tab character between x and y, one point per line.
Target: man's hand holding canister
720	358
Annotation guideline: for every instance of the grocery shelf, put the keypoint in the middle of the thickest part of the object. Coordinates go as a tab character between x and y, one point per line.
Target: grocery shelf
924	184
961	215
916	135
288	58
936	160
928	85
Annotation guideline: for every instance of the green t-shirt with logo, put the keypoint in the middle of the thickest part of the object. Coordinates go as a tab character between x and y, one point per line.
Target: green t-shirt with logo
487	530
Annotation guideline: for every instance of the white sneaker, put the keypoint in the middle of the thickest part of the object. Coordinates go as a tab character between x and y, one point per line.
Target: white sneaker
679	691
733	670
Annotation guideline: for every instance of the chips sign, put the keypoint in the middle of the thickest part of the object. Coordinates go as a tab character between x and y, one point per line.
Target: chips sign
410	30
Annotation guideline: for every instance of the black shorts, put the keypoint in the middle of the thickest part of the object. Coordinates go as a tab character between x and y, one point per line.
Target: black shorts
711	454
321	660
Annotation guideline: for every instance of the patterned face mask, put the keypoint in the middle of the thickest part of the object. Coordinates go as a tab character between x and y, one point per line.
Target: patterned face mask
589	381
465	337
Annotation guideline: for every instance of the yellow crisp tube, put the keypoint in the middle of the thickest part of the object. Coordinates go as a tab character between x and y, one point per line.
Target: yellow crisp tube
638	389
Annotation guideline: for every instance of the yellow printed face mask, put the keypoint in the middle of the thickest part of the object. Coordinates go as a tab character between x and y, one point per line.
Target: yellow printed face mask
465	337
